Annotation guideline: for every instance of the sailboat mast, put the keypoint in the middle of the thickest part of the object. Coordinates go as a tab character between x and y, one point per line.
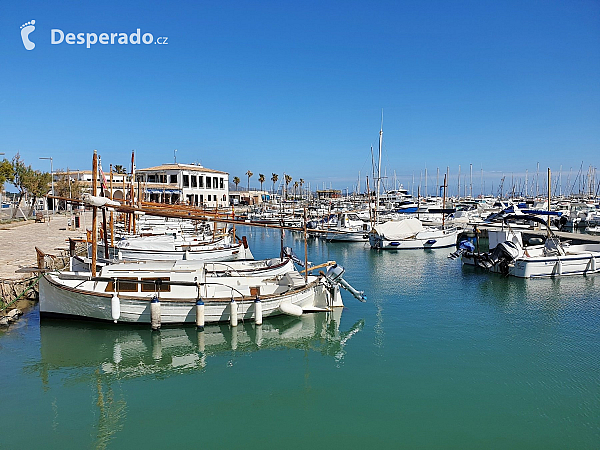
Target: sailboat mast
379	168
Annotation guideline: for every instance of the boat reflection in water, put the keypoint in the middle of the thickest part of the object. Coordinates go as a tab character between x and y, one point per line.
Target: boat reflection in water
125	352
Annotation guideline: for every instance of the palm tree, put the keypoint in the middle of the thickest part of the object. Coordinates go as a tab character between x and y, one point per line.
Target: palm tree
295	187
249	174
236	181
301	183
119	169
288	180
274	178
261	179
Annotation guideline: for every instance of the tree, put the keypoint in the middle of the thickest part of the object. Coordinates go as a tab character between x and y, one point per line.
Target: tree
236	181
301	183
295	187
19	177
6	172
36	183
274	178
249	174
120	169
261	179
288	180
65	186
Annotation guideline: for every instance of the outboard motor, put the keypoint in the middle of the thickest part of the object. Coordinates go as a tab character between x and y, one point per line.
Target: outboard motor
503	254
464	247
289	253
334	276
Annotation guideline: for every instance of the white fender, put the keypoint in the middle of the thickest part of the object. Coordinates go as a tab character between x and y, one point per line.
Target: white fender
115	307
290	309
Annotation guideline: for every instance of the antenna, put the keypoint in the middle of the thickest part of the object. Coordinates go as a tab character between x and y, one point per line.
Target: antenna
175	155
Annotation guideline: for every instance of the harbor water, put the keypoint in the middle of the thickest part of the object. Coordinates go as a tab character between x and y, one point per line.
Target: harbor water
440	356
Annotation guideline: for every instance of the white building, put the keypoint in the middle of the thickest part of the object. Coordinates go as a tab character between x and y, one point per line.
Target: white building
185	184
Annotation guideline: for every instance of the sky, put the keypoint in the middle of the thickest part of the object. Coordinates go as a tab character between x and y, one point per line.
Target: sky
300	88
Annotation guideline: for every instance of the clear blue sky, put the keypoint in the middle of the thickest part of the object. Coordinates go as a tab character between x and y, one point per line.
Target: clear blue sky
298	87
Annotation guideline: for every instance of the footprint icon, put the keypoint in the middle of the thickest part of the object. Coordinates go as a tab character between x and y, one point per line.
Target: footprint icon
26	30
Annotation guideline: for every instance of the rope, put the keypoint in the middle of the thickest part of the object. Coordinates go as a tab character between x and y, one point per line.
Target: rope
21	294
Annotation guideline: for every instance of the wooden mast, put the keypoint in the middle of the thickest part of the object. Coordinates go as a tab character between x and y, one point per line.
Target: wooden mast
133	190
94	212
112	223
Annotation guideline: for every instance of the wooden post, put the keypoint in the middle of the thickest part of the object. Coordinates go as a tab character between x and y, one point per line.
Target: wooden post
94	212
233	218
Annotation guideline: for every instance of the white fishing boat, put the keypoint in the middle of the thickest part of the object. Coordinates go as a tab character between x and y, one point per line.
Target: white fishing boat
172	248
264	268
410	234
157	292
552	258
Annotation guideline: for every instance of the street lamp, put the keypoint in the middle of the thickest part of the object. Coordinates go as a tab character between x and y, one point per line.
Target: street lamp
51	177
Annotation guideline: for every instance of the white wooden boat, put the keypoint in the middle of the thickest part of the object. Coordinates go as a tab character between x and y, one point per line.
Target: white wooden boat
410	234
172	248
264	268
185	293
509	256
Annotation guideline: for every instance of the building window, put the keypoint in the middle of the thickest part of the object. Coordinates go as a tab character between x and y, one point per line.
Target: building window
163	178
173	179
151	178
215	182
221	184
207	182
202	198
186	181
194	181
200	181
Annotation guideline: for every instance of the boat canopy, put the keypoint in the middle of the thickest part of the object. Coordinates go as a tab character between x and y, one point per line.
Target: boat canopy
399	229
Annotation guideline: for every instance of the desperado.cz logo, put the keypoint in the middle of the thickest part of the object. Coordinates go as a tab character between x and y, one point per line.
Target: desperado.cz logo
58	36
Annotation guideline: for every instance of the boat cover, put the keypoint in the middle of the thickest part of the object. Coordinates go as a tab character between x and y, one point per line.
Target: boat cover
399	229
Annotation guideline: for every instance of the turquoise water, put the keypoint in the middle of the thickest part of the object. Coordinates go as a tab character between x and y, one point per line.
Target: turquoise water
440	356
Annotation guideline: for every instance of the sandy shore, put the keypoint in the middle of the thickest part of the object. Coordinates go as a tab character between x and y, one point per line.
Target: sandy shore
18	242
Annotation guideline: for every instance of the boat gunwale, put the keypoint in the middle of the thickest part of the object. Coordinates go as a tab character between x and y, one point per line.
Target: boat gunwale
292	291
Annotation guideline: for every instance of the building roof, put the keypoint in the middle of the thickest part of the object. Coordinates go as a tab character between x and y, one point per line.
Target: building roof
191	167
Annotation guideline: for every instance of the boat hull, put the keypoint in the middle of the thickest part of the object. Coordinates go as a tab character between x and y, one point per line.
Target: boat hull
56	299
543	267
422	240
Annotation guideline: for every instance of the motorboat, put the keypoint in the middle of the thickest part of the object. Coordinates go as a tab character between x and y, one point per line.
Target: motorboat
547	257
410	234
